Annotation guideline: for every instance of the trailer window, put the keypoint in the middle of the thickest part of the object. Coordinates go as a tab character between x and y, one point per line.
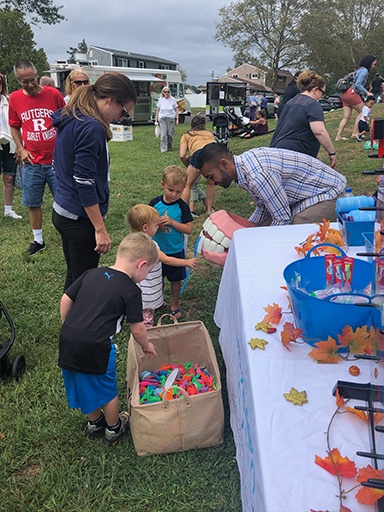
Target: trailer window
173	89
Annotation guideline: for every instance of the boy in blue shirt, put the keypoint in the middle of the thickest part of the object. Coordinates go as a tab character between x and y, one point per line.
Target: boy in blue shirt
175	222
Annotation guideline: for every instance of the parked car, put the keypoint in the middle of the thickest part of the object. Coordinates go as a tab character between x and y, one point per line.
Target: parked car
335	99
326	105
270	107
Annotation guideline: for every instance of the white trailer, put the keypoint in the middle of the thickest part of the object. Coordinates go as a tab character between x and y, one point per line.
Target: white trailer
148	84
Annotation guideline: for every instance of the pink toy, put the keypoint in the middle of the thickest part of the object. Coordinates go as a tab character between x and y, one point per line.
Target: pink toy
217	233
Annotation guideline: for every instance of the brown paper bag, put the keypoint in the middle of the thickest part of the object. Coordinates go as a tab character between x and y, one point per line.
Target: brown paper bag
187	422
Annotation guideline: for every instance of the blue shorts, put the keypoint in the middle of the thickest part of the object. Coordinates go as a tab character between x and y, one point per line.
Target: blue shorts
195	158
363	126
34	179
91	392
174	273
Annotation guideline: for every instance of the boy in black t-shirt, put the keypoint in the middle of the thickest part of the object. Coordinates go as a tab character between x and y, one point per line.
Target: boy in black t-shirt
92	310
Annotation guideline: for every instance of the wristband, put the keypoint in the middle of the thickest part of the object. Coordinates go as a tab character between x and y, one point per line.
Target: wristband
332	154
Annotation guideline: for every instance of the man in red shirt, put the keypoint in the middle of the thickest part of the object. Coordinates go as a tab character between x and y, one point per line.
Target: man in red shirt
30	110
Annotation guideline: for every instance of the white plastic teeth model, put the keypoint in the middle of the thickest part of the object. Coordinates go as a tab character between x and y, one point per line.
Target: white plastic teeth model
217	242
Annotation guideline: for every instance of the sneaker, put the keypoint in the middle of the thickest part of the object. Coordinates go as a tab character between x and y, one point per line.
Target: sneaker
95	430
194	215
35	247
112	437
13	215
358	138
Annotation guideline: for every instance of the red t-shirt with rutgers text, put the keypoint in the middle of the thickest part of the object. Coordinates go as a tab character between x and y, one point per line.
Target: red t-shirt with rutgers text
33	115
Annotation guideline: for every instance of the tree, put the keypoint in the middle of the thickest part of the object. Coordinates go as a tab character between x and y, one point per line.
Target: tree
81	47
41	11
266	31
16	41
337	34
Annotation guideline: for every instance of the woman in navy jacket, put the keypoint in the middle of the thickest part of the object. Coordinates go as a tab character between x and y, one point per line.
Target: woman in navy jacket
81	162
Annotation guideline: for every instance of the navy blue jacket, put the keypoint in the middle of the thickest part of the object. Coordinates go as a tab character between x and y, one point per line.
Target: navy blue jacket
81	163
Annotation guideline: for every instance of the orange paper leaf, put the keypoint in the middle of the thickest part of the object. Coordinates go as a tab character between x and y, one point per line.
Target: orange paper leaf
325	351
356	341
360	414
335	464
289	334
323	229
368	495
273	315
339	399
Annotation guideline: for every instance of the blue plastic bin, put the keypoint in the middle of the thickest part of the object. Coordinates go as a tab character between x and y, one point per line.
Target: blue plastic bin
320	318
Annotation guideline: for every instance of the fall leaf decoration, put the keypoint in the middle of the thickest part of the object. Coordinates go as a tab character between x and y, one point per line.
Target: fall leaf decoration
274	314
257	343
289	334
356	341
296	397
266	327
325	351
335	464
324	234
368	495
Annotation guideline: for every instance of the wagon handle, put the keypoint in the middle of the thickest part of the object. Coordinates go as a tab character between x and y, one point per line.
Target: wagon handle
326	244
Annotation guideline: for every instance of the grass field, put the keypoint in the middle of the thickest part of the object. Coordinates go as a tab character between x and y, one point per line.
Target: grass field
46	461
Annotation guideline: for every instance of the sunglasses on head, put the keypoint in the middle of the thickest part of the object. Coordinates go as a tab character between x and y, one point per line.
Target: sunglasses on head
81	82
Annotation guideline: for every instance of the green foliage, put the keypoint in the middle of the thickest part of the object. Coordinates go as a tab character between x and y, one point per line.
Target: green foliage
41	11
265	29
337	34
81	47
16	41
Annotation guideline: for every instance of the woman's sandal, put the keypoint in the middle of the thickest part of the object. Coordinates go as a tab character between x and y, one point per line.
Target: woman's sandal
176	313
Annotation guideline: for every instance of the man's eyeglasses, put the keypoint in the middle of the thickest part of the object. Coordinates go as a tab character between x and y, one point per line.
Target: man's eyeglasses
321	90
81	82
27	81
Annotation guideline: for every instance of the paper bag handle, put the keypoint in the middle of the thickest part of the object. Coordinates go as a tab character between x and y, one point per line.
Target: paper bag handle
174	319
183	393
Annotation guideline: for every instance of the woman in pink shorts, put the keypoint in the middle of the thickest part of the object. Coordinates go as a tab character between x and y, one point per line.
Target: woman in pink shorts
353	98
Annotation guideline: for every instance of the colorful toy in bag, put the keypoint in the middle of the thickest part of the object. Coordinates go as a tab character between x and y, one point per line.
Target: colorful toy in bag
217	233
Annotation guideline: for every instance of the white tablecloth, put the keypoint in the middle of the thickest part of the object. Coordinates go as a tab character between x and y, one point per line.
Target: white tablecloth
277	441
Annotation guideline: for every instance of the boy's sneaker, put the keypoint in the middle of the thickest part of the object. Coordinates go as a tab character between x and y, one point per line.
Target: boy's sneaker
358	138
13	215
112	436
35	247
96	429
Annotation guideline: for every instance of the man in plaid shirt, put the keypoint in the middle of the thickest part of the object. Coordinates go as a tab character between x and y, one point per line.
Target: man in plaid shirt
287	187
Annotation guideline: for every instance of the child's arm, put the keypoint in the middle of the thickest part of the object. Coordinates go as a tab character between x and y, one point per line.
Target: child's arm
65	307
176	262
179	226
139	332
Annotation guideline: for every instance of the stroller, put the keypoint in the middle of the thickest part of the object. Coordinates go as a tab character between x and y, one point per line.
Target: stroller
221	128
17	367
238	123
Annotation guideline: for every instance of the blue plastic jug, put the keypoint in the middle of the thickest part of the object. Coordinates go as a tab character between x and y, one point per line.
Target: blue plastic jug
346	204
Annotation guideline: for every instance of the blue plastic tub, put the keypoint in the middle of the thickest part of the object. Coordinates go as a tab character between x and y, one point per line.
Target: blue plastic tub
320	318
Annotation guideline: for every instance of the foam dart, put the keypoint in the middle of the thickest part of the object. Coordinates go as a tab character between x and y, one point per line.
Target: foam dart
171	378
373	172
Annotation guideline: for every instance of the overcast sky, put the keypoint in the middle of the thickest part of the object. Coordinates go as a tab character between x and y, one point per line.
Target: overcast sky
177	30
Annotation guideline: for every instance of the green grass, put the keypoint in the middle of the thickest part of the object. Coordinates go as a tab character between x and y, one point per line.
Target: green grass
46	461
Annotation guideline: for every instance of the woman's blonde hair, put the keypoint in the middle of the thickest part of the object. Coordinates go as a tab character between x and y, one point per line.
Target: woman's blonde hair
109	85
308	80
138	246
72	77
139	215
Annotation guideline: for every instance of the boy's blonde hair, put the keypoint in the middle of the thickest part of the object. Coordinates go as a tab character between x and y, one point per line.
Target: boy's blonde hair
139	215
175	174
138	246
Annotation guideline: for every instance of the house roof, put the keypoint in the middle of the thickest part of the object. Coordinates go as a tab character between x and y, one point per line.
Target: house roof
132	55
